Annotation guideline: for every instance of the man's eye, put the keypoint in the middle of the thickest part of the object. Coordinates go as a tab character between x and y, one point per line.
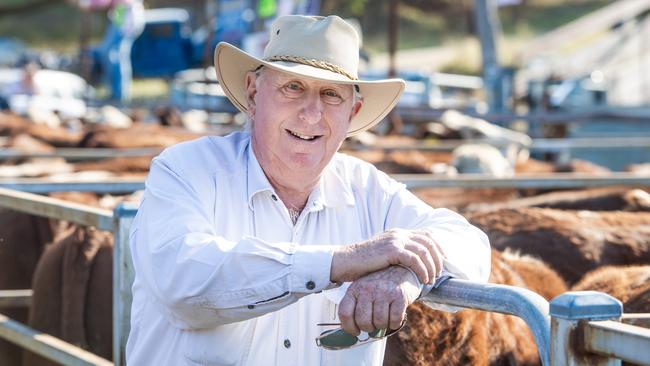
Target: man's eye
294	86
332	96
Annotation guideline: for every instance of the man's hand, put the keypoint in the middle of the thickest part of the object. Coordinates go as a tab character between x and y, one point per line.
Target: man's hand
415	249
378	300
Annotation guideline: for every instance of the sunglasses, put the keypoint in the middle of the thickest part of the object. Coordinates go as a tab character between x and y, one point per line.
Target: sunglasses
335	339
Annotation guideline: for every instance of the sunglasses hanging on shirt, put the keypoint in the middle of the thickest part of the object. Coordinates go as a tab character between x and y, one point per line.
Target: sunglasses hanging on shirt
336	339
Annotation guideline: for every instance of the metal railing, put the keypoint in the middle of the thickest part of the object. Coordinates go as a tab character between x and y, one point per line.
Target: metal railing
537	145
586	331
412	181
80	153
47	185
582	312
48	346
118	222
555	180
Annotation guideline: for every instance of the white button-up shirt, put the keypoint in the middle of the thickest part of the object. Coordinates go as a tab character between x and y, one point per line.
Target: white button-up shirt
223	277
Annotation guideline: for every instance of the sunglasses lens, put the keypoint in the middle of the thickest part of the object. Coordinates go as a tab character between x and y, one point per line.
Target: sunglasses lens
337	339
377	333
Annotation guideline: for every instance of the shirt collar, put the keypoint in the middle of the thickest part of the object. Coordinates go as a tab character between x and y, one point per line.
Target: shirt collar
331	190
256	179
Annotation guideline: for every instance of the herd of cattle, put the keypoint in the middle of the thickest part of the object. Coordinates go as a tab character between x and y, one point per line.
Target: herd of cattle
549	242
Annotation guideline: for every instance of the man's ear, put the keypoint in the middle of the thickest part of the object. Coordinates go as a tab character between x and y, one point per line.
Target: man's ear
356	107
251	91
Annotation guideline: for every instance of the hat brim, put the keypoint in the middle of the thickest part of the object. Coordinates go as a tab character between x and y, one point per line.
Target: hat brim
379	96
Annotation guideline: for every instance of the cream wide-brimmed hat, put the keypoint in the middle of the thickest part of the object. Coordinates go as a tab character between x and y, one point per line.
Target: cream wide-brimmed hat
321	48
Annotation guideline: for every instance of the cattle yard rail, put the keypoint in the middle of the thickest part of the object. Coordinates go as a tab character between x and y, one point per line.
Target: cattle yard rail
586	330
537	145
15	298
47	346
80	153
412	181
46	185
595	317
545	181
118	222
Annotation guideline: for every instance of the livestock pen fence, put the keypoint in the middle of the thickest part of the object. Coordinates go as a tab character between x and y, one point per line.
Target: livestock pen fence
579	328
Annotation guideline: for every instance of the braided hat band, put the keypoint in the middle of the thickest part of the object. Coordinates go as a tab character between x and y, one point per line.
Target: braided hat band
314	63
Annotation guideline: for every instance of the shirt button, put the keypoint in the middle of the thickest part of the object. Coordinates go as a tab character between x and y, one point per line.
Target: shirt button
287	343
310	285
275	198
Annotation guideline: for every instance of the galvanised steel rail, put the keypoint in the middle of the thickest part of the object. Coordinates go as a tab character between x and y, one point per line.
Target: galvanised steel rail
56	209
555	180
627	114
80	153
123	277
610	338
118	222
46	185
521	302
586	330
15	298
48	346
540	144
412	181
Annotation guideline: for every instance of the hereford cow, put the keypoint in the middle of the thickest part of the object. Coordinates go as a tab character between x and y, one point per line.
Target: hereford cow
596	199
403	162
138	165
72	297
138	135
472	337
630	284
72	291
13	125
22	239
571	242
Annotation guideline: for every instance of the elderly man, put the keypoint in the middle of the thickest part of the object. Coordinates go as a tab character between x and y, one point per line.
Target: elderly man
269	248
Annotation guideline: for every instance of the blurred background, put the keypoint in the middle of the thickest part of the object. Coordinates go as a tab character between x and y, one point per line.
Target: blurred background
529	117
543	68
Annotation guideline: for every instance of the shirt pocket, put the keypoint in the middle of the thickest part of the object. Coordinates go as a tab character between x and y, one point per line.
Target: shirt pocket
226	345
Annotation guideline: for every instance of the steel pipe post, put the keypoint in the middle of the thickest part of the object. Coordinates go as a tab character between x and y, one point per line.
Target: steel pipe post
568	311
123	276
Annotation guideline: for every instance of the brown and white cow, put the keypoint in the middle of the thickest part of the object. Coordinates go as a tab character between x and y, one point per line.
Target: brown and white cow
630	284
571	242
472	337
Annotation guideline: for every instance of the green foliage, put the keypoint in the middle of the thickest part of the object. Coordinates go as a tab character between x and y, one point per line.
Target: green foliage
539	17
56	26
423	23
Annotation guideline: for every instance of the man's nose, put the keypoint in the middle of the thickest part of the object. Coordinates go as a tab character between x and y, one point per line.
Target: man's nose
312	108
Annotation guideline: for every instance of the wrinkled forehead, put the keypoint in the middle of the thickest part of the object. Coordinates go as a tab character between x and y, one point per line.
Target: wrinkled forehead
280	77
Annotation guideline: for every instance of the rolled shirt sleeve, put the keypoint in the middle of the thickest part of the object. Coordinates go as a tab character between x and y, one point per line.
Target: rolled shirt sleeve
466	248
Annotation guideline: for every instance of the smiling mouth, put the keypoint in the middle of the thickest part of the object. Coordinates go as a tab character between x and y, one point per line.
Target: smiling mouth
303	137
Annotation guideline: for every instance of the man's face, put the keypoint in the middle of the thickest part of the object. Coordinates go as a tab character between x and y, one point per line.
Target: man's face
298	124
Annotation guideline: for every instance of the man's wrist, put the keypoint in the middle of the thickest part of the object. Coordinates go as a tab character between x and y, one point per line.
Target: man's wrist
415	276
